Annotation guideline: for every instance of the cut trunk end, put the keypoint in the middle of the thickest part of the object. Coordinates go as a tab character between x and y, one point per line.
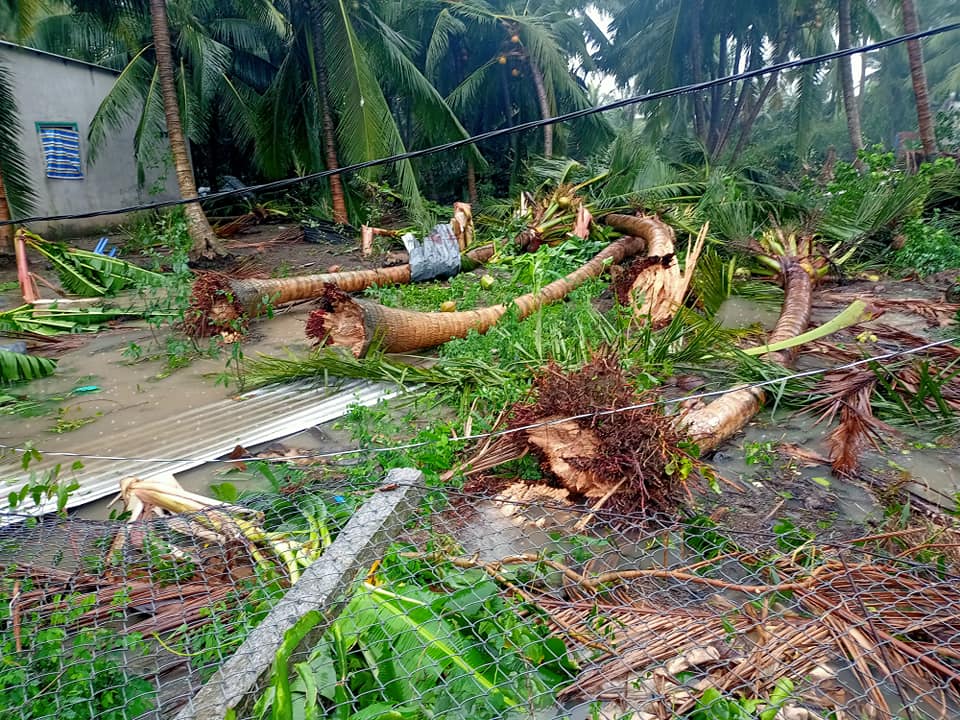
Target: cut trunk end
356	325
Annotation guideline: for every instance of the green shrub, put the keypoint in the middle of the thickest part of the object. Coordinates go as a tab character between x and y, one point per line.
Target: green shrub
928	248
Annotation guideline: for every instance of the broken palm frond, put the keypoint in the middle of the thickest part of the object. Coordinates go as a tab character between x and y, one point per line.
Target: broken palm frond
17	367
853	314
888	624
718	279
339	362
653	286
179	606
936	313
220	522
848	393
55	320
630	460
219	302
356	324
89	274
256	216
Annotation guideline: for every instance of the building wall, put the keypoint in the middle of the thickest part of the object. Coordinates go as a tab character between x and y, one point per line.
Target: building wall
51	89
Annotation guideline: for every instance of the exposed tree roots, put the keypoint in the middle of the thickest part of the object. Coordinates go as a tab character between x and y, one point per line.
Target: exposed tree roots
630	460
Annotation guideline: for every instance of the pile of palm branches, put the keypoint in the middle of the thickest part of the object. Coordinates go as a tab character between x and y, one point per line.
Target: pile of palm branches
894	628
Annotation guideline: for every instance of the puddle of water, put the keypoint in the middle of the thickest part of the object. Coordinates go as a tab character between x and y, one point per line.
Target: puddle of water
737	312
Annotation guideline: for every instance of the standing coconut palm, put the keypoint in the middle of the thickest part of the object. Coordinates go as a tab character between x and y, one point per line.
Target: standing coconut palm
502	63
175	82
16	193
343	73
205	243
850	107
918	76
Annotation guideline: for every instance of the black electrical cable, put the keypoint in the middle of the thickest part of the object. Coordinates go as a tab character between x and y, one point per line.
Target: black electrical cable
490	134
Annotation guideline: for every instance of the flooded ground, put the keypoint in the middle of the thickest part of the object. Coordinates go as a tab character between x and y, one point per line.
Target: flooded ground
127	377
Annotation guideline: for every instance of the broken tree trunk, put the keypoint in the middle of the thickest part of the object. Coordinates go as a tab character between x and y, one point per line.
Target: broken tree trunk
713	425
356	324
218	301
653	286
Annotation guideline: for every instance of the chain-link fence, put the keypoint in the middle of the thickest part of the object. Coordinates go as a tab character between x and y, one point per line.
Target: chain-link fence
414	602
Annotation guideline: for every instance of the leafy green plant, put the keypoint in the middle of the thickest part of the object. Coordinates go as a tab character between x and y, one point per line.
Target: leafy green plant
928	247
18	367
761	452
52	672
713	705
440	641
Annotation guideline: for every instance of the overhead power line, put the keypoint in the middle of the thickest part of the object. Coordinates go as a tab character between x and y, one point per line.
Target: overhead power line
490	134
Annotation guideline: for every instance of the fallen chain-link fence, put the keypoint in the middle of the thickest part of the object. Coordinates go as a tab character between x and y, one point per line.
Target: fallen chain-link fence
411	602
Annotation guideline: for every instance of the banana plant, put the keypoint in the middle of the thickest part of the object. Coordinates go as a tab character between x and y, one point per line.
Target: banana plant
89	274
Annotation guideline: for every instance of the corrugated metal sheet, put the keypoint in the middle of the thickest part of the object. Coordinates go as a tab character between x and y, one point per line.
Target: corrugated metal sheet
202	434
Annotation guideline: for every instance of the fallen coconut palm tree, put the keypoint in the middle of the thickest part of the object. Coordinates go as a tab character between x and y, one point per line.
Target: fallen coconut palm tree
356	324
218	302
798	263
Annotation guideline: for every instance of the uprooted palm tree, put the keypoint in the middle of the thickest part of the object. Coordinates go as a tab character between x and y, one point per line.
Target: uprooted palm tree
223	304
357	324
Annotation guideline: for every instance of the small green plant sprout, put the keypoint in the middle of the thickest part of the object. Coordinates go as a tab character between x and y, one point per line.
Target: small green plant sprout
762	452
41	488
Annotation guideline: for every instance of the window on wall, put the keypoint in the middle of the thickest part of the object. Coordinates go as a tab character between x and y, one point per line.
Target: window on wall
61	150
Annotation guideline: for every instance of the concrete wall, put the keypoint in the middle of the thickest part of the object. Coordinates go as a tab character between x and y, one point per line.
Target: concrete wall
49	88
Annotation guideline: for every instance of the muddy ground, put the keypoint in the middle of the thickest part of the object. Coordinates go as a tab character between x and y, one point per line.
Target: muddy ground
139	386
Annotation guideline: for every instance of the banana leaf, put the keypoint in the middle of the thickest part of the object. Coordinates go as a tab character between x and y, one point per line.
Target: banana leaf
16	367
88	274
56	321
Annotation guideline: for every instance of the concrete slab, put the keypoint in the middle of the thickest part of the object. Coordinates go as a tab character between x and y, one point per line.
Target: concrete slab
323	586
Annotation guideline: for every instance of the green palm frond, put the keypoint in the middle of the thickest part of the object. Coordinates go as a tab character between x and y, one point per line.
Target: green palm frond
366	128
471	89
123	101
60	321
14	170
444	28
431	111
89	274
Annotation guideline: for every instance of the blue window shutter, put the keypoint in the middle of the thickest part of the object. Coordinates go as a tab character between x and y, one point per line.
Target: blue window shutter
61	151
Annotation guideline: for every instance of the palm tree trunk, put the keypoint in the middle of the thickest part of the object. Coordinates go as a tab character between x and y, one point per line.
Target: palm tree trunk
472	183
356	324
337	197
846	83
713	425
6	231
218	301
205	243
544	102
919	78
